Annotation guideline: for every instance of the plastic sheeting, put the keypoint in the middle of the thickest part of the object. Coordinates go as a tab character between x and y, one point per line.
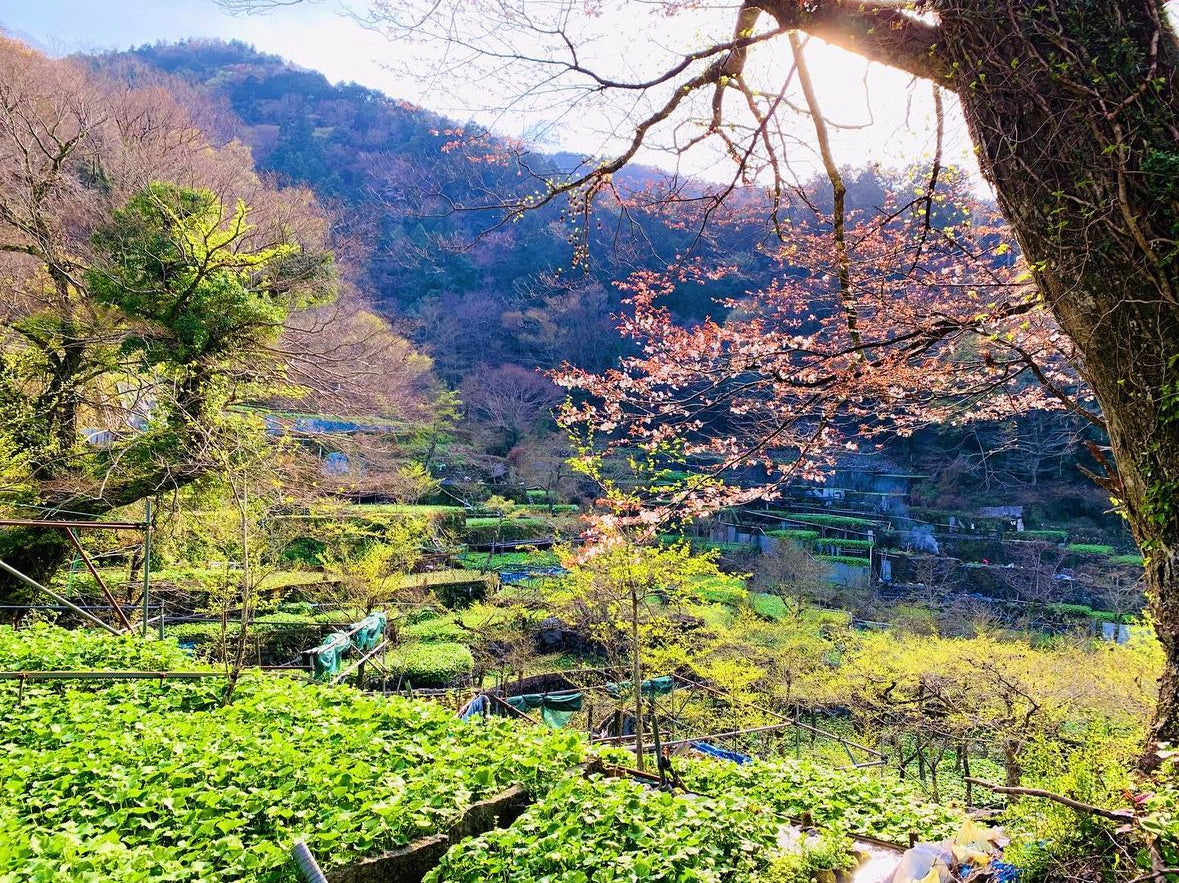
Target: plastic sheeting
721	753
477	707
330	657
660	686
555	709
369	632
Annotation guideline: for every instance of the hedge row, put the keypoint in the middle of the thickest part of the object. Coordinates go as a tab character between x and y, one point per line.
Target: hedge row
825	520
438	664
1050	536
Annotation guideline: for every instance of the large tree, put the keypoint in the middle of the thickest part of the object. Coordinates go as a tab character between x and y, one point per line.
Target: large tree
151	284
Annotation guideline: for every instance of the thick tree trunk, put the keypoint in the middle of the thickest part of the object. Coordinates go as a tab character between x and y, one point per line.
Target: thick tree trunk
1074	108
40	552
36	553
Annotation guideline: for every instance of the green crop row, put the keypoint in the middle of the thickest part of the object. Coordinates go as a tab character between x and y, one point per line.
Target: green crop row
1048	536
794	533
1083	611
614	830
824	520
847	799
850	560
1131	560
48	648
1091	548
503	560
834	542
134	781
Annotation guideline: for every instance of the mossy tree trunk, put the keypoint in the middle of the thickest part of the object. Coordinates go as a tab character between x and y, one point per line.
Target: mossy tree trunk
1074	108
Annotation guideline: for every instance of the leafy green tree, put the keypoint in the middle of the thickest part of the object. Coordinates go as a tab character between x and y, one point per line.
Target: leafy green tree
192	294
623	595
201	276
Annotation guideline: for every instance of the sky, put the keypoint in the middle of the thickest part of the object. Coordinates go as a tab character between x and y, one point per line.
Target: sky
889	116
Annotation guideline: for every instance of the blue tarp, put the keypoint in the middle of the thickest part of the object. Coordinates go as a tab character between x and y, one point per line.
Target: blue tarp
477	707
721	753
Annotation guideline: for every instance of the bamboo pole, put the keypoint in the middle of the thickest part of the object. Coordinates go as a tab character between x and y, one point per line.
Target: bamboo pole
707	736
47	522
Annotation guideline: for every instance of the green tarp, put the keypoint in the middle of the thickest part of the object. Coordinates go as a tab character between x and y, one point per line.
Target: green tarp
554	710
653	687
369	632
330	656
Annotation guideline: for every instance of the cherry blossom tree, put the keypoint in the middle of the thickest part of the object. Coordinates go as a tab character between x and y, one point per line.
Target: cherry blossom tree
1072	108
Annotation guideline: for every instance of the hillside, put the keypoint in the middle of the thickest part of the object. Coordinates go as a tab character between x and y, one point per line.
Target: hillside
404	181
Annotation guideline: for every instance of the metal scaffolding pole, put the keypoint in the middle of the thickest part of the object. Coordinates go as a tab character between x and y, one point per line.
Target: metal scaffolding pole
146	561
28	580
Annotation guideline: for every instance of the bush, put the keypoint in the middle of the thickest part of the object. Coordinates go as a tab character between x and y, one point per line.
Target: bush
1048	536
298	608
1082	611
769	607
1090	548
434	631
818	858
422	664
304	550
1049	841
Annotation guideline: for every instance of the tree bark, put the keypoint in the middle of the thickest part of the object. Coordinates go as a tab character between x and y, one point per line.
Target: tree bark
1074	108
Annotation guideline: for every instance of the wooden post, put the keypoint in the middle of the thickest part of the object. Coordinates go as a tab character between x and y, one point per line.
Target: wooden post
966	773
